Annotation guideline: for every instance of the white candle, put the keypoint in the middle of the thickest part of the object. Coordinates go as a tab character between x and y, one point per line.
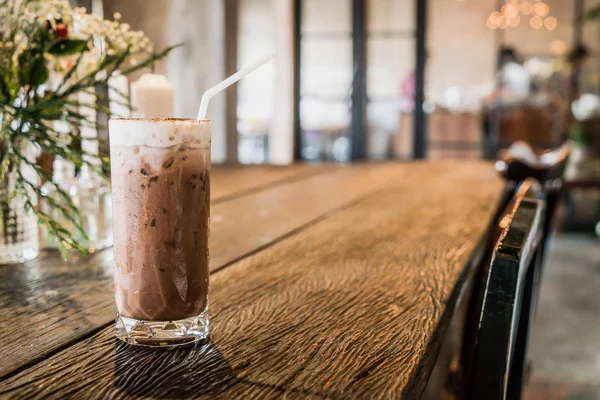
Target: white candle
152	96
118	95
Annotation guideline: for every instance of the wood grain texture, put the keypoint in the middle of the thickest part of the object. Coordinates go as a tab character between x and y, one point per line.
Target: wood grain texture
51	303
230	181
353	306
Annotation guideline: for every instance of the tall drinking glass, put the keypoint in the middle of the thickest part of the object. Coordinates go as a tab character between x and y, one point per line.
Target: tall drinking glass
160	171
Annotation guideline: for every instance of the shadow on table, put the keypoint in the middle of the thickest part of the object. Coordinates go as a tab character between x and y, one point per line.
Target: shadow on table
181	373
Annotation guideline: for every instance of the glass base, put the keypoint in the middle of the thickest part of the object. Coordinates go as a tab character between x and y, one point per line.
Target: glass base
162	333
12	254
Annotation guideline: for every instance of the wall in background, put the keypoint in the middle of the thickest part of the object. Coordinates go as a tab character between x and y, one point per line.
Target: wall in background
530	41
462	49
152	20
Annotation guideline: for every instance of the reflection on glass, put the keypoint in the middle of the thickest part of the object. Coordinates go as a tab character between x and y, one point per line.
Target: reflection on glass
255	91
390	15
390	67
390	78
325	126
326	67
328	16
383	125
326	80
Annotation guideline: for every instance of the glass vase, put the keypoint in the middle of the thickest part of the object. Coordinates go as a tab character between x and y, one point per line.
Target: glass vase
91	195
18	228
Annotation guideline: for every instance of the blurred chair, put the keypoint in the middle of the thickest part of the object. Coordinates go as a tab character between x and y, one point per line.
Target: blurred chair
496	341
521	161
450	134
505	294
539	127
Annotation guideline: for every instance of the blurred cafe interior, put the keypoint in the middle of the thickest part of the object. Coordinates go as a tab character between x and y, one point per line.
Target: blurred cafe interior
347	87
349	73
412	81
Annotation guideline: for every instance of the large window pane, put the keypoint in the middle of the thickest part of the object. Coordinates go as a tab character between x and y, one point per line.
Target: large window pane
326	16
390	78
255	91
325	126
390	15
390	62
390	90
326	79
326	67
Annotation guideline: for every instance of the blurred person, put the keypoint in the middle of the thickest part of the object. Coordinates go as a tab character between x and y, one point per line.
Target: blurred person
513	81
513	75
407	91
408	88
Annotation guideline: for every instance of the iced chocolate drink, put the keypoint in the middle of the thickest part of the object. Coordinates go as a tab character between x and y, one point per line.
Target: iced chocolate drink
160	171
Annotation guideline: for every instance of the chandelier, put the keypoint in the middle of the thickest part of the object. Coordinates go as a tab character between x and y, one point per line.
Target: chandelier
513	12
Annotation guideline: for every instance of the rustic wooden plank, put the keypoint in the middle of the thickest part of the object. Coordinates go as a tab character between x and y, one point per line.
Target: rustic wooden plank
346	308
52	303
229	180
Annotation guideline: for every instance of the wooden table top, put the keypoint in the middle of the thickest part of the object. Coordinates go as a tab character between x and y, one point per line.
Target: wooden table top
327	281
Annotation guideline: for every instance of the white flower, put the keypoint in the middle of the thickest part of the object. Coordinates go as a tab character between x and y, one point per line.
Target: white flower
108	37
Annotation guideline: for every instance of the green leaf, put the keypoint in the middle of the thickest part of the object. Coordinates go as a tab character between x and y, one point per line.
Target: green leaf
48	108
67	47
577	134
32	69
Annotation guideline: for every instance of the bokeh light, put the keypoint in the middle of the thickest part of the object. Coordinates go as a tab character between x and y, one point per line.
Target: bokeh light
510	10
536	22
514	21
495	18
525	7
502	22
541	9
550	23
558	47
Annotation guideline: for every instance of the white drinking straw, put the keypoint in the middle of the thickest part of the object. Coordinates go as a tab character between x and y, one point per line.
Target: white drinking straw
230	81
